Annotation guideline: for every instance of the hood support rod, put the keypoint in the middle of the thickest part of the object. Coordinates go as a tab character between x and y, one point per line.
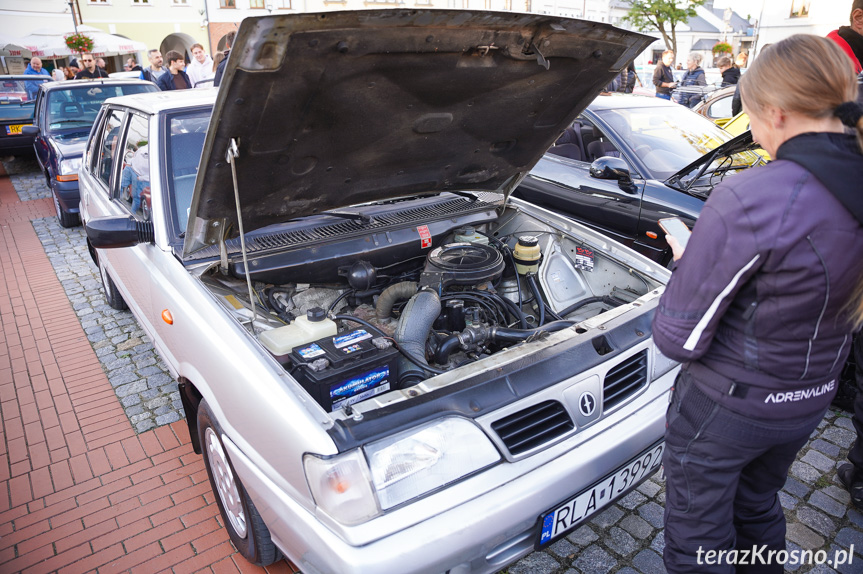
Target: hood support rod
231	156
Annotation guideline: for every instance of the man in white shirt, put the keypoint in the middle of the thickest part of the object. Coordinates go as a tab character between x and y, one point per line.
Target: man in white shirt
201	67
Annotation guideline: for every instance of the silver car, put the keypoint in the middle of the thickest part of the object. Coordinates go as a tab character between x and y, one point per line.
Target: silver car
388	365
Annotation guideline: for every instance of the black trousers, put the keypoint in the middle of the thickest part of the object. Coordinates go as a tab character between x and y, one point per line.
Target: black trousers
723	472
855	455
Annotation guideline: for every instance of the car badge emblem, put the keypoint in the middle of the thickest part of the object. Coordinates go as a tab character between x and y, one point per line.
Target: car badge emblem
587	404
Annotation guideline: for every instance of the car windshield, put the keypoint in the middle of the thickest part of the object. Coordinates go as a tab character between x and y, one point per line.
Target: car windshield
185	142
77	107
667	139
14	90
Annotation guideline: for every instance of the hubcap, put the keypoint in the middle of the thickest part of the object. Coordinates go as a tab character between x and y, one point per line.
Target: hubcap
225	483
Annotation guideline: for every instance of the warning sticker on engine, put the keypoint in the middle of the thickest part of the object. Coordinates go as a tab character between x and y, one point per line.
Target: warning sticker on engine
351	338
425	236
583	258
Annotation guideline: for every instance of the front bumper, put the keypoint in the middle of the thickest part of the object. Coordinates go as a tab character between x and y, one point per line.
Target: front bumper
68	194
483	534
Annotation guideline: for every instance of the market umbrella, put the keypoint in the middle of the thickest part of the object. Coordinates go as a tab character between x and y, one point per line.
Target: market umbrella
51	43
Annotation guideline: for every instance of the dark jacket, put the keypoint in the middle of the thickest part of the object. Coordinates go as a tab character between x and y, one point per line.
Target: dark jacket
730	76
690	79
662	73
147	74
166	81
756	306
220	69
851	43
97	73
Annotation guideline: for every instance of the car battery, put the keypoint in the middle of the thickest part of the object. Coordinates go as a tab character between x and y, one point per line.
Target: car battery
346	368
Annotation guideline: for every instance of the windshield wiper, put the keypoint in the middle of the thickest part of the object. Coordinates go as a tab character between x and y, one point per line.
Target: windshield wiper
349	215
68	122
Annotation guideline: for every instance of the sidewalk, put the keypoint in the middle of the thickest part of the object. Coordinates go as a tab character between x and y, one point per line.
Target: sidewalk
79	489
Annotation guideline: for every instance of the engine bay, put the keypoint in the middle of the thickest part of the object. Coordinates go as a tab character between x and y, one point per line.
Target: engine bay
397	312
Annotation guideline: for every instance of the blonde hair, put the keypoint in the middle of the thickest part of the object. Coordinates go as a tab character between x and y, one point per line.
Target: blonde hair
786	75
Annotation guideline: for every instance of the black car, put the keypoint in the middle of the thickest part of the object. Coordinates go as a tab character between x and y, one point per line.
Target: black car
65	112
17	99
628	161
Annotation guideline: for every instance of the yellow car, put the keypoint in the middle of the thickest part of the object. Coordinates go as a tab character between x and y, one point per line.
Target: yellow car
739	124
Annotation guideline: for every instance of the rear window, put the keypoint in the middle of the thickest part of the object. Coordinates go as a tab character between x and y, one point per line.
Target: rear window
77	107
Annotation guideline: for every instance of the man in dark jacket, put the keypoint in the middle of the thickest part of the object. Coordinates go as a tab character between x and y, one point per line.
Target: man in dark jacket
220	70
91	70
175	78
663	76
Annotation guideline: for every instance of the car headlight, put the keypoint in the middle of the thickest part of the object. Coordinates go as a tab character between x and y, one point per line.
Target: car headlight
399	468
69	169
661	364
414	462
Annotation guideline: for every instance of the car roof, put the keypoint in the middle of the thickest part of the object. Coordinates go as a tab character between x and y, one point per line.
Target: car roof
617	101
155	102
66	84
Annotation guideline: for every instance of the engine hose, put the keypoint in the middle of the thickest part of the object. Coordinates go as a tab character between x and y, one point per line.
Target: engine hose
497	335
281	311
404	353
514	311
413	331
540	302
339	298
576	306
391	295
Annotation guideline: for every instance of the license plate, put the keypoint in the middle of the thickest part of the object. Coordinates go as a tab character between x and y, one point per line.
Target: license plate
14	129
557	522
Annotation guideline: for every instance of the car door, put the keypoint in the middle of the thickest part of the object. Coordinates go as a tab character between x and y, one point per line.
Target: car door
40	145
565	185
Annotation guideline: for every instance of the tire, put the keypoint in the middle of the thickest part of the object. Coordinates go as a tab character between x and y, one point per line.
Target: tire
242	520
112	295
66	219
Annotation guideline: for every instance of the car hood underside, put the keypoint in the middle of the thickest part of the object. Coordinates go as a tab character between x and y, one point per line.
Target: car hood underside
341	108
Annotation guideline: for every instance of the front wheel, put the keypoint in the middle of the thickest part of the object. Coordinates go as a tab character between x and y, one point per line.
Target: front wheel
112	294
66	219
242	520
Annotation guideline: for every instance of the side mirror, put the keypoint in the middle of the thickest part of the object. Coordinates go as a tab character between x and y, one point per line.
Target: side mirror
608	167
30	130
118	231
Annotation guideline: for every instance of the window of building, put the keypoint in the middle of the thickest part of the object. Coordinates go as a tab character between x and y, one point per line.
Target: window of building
140	2
180	2
257	4
102	2
800	8
227	4
283	4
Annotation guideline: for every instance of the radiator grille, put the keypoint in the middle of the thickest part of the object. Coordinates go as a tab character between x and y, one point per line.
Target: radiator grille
533	426
624	380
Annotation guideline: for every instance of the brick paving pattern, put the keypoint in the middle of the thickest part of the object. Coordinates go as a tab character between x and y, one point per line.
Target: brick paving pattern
85	486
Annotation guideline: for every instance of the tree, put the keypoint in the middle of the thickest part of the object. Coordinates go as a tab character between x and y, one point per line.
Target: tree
662	15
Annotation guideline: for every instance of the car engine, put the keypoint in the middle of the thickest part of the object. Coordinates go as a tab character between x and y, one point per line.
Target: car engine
348	331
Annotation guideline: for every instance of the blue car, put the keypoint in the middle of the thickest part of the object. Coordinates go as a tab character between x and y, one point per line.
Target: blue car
65	112
16	112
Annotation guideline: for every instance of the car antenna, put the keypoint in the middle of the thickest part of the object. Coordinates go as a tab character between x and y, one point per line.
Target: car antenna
231	156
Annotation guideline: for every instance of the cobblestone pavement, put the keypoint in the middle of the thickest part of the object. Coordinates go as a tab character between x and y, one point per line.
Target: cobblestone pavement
626	538
27	179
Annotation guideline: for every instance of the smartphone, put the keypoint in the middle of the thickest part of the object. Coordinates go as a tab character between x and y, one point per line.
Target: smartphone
675	227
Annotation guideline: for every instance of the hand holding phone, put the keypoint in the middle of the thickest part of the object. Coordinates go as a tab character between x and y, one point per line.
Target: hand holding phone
675	227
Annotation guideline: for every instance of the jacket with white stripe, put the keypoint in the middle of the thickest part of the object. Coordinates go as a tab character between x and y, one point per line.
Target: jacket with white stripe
757	306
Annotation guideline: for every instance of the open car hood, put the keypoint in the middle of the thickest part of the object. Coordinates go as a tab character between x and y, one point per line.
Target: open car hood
341	108
686	177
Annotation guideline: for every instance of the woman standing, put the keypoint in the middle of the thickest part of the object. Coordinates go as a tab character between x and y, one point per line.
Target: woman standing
761	308
694	76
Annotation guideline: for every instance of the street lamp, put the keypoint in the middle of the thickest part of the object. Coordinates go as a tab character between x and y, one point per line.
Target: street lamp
74	18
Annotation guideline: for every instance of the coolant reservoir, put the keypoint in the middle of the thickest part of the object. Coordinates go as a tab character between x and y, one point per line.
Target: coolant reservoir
312	327
527	254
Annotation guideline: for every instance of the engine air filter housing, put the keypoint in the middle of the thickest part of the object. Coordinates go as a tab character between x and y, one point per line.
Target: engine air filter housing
462	264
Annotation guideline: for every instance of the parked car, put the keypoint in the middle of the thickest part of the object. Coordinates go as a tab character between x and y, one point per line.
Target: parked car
65	112
387	364
628	161
16	112
716	106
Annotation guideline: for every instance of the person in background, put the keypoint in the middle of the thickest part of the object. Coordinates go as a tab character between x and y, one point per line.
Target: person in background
850	38
694	77
760	309
100	62
176	78
217	59
132	66
73	68
34	68
91	70
58	74
741	59
155	70
663	77
201	66
220	69
730	72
